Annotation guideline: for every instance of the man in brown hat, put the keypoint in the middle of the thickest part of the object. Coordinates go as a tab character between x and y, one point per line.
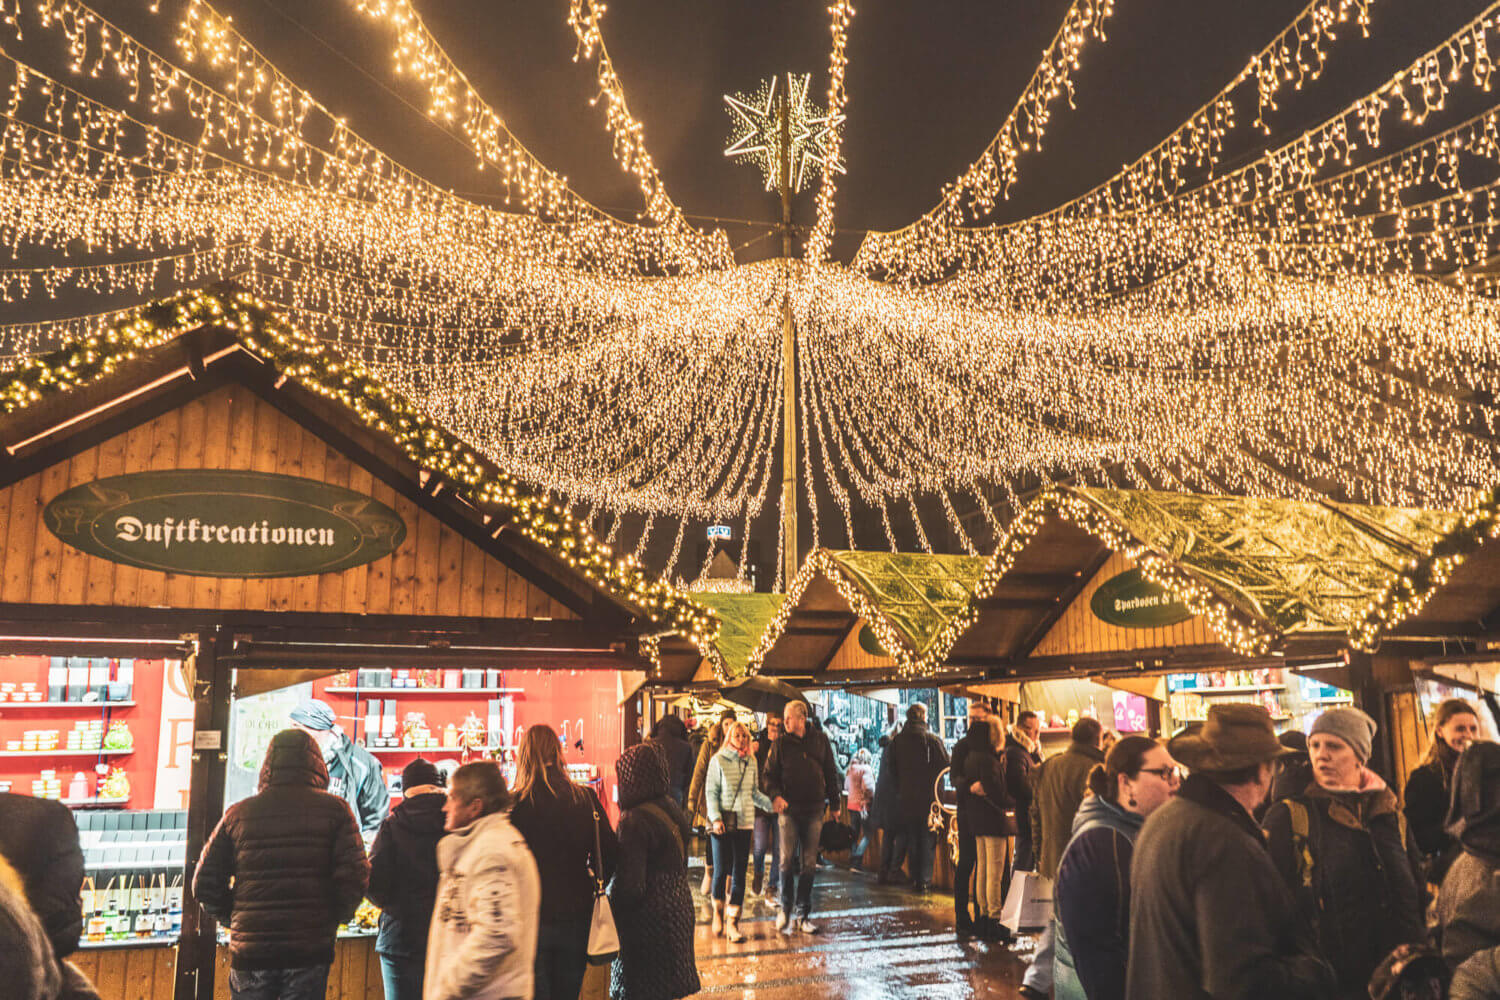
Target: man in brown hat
1209	915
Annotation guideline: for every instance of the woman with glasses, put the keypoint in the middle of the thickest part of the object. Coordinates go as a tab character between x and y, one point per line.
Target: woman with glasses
1091	897
1338	845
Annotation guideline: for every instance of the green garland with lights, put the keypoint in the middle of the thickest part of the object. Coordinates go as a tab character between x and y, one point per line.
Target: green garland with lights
324	371
1408	594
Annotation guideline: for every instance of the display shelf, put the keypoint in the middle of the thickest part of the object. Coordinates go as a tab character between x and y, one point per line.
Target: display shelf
1233	689
427	690
96	803
401	750
1338	699
1274	718
66	704
151	942
66	753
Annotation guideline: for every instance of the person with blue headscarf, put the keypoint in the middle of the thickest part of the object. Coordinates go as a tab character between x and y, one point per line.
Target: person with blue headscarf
353	772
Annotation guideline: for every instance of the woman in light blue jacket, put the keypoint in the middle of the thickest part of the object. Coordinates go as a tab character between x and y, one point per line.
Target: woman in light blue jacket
731	793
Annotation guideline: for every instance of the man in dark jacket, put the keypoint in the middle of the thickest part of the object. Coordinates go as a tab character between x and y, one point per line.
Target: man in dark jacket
354	774
803	782
1059	783
404	879
40	840
1022	758
670	733
283	868
917	758
978	735
1210	917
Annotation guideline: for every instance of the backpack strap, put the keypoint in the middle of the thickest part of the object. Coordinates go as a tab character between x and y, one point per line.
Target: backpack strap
1300	841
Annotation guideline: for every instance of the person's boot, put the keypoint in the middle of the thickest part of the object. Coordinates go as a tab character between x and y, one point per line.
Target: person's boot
718	919
732	925
708	879
758	883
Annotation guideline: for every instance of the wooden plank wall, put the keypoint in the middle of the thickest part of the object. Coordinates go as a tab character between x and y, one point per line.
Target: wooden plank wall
436	571
852	656
149	973
129	973
1079	630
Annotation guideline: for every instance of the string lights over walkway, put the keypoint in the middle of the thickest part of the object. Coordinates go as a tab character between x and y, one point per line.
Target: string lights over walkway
1316	321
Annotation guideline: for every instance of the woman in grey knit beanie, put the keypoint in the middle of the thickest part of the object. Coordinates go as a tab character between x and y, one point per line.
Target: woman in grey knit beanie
1339	847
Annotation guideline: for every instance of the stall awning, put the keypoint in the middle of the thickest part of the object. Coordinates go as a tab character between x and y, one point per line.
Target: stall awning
873	609
743	619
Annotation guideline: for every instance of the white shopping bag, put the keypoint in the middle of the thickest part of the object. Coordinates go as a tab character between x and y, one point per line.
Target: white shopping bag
1028	905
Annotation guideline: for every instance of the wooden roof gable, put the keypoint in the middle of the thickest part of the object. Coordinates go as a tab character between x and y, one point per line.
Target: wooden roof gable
153	360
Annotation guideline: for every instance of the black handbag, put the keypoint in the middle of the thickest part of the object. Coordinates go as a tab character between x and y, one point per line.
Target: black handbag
836	836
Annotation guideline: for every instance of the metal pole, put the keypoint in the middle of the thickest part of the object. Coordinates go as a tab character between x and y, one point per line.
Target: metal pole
789	554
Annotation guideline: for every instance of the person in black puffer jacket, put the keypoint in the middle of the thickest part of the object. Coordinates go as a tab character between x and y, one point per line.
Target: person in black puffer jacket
652	903
41	840
283	868
1022	758
560	821
404	879
670	733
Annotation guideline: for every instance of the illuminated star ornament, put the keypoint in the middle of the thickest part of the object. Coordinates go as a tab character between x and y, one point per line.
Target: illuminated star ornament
756	136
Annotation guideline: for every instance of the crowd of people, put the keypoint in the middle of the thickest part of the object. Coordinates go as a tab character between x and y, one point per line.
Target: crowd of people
1228	862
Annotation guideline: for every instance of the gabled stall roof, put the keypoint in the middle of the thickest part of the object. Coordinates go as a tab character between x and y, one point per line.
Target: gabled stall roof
907	600
1260	573
79	389
743	619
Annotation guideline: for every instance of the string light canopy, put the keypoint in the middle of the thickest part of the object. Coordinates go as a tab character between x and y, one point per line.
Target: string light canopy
1317	320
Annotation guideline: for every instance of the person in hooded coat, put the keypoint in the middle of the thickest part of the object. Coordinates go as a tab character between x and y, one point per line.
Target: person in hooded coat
1338	845
652	903
1465	917
1426	796
404	879
283	869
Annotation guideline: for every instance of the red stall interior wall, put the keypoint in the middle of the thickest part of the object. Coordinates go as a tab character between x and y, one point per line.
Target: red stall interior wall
144	719
584	701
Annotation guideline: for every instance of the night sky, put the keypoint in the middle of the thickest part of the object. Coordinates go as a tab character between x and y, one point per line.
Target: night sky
928	82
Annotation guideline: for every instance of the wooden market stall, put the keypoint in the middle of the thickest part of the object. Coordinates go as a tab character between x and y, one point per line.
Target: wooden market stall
205	494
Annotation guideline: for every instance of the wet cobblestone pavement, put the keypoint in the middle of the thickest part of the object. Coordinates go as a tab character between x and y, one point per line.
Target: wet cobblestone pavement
874	942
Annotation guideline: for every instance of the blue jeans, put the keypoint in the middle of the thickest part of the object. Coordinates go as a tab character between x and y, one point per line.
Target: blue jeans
731	855
308	983
562	956
799	860
403	976
767	837
921	851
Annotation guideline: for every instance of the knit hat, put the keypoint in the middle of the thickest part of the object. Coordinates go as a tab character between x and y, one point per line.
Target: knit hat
1349	724
313	714
418	773
1234	736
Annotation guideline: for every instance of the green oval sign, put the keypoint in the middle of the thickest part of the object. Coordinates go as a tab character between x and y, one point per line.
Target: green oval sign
1129	600
215	522
869	643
